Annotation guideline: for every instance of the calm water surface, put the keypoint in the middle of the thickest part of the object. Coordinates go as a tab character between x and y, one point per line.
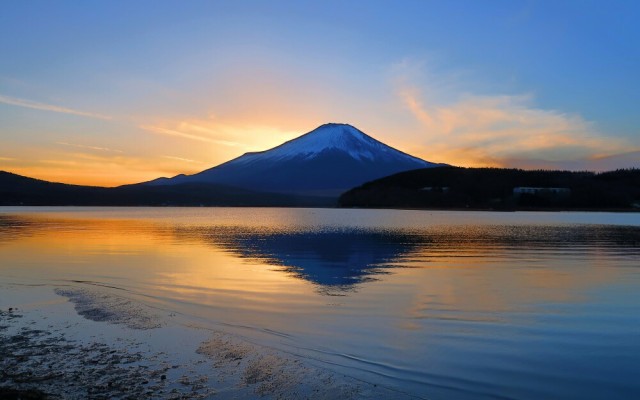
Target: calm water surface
441	305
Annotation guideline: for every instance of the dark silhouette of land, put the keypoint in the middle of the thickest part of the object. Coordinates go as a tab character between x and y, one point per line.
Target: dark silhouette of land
428	188
499	189
21	190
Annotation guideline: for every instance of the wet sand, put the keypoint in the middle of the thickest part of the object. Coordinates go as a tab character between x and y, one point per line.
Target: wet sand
75	342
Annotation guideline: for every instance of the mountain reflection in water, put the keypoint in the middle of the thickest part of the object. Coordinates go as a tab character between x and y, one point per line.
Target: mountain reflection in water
337	260
340	259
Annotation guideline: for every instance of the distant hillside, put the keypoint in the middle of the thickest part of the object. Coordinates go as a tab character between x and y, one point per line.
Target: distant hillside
21	190
502	189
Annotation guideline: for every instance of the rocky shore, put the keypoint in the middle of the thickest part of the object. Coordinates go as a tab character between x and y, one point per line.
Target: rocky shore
86	343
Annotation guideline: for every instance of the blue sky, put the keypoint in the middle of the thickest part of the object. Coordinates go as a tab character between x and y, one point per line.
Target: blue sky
118	92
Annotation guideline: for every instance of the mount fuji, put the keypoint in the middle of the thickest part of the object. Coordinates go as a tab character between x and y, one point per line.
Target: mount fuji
324	162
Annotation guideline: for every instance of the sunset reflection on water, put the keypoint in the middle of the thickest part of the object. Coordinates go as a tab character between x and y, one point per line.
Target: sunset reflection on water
415	298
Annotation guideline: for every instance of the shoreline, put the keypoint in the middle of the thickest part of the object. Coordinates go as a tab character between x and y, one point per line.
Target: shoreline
497	210
73	342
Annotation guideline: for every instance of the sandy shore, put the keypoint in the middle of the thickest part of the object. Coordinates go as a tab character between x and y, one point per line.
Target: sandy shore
78	342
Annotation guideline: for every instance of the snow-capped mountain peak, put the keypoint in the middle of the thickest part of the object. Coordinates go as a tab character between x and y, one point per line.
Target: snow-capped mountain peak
329	137
324	162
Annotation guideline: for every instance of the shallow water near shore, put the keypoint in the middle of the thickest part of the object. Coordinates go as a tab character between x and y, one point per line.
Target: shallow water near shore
436	305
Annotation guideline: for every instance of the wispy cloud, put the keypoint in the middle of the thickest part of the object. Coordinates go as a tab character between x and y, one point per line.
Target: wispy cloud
82	146
242	136
48	107
411	99
182	159
591	163
103	169
7	159
499	130
192	135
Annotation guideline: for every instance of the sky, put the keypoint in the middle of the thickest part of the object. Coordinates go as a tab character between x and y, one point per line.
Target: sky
115	92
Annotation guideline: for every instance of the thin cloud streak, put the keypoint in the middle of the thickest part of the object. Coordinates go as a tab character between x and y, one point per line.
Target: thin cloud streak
191	136
608	163
242	135
101	169
82	146
48	107
413	103
182	159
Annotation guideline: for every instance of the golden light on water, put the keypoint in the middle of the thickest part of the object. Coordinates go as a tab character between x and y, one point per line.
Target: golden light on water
211	265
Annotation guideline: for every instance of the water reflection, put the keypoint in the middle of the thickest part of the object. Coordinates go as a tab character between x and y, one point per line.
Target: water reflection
332	259
12	228
438	310
340	259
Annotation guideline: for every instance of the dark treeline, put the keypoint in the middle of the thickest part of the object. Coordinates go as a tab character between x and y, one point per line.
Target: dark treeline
493	188
21	190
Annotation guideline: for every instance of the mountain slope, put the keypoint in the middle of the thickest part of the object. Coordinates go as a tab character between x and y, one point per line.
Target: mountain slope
326	161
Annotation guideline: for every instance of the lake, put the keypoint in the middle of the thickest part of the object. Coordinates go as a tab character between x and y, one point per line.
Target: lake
434	304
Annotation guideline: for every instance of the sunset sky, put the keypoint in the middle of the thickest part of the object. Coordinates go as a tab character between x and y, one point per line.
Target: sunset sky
116	92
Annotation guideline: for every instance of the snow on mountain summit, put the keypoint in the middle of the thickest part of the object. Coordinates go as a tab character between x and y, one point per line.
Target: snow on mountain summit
328	137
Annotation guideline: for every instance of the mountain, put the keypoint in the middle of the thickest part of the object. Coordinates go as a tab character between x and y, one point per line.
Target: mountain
324	162
309	171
